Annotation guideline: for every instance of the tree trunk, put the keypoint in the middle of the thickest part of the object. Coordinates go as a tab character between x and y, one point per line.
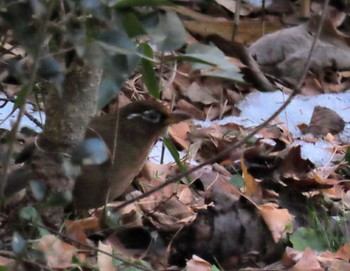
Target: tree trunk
66	120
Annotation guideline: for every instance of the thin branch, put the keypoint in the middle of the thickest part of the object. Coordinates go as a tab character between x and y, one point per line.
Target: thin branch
34	120
236	19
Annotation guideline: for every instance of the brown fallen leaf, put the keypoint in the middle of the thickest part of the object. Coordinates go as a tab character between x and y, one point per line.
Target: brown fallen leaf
156	171
216	111
185	195
6	261
248	31
324	121
334	264
277	220
76	229
197	264
252	187
307	262
200	93
191	109
104	261
284	52
178	133
294	166
344	252
59	254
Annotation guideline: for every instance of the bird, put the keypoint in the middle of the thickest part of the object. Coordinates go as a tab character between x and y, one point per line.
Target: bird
129	136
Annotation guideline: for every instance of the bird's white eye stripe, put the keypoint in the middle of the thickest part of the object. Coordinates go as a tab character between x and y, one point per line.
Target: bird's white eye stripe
149	115
134	115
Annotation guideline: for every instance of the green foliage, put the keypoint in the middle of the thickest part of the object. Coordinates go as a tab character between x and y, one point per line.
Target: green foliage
148	74
30	215
51	70
38	189
323	233
202	55
126	267
237	180
92	151
175	154
18	243
135	3
59	199
214	268
308	237
20	98
102	34
111	218
132	25
169	33
347	155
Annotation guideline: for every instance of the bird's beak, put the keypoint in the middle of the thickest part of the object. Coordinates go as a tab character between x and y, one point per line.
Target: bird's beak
176	117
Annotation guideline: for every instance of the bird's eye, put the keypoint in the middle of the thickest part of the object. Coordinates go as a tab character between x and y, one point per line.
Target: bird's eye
152	116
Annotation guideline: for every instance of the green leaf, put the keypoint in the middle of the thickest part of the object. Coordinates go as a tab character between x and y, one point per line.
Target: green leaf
19	18
20	99
112	218
39	9
132	25
90	4
51	70
4	268
197	58
237	180
308	237
116	54
206	56
92	151
18	243
148	74
208	53
175	154
214	268
38	189
122	265
95	7
149	20
29	213
169	34
136	3
347	155
116	42
172	149
59	199
231	74
108	45
78	38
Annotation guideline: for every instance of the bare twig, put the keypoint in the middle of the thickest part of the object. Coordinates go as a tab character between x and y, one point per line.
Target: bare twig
263	8
236	19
